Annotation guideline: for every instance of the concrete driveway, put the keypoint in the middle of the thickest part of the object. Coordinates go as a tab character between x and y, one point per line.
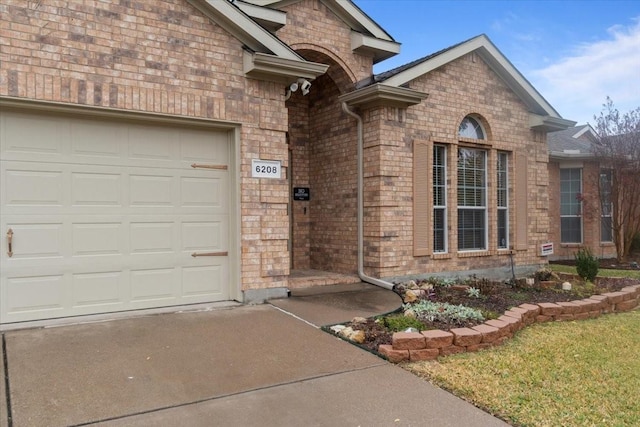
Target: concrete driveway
244	366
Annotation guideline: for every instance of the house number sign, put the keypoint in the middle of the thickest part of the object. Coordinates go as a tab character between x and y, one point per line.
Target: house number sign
265	169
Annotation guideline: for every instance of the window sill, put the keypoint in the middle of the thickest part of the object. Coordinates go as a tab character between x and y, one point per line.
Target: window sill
441	255
469	254
607	244
570	245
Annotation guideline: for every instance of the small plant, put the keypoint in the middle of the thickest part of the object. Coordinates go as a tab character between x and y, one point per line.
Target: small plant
400	323
586	264
473	292
490	314
441	311
543	275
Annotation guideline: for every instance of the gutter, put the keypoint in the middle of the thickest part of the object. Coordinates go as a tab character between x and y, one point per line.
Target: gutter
368	279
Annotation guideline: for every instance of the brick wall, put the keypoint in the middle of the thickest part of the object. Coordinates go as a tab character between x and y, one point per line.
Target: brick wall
158	57
590	218
462	87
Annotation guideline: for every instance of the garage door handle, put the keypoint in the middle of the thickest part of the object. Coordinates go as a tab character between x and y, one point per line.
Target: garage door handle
220	167
9	239
195	254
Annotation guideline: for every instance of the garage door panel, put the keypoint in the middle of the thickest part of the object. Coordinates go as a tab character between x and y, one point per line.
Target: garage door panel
196	281
204	236
97	239
203	192
198	146
104	288
93	140
36	240
147	142
32	187
96	189
25	135
153	284
152	237
35	294
151	190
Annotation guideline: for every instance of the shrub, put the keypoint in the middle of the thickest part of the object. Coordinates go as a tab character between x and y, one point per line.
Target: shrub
586	264
401	323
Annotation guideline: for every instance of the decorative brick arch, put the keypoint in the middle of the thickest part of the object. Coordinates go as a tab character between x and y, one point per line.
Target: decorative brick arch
338	71
481	119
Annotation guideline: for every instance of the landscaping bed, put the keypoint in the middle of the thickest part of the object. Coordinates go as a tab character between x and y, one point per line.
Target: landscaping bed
444	305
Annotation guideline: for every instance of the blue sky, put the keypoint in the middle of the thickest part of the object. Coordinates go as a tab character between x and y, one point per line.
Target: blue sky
575	53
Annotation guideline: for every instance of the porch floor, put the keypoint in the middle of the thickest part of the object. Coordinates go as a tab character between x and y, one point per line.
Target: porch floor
308	278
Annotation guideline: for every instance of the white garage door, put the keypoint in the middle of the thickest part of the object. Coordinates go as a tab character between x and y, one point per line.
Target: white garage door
106	216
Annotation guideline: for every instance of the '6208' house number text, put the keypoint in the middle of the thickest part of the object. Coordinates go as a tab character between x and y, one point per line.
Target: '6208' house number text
265	169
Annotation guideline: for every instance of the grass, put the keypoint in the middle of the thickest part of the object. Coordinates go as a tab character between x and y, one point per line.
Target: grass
583	373
603	272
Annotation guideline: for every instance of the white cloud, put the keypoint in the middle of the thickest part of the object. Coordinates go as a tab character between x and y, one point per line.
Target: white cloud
578	85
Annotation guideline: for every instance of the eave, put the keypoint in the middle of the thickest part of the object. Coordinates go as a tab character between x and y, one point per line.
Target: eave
371	46
549	123
270	67
561	155
383	95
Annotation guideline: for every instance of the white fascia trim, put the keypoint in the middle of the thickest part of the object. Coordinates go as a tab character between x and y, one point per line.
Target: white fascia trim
495	59
270	18
549	123
345	9
273	68
570	157
244	28
380	94
584	130
380	49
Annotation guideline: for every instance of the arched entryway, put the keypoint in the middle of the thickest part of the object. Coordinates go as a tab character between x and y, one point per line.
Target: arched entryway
323	166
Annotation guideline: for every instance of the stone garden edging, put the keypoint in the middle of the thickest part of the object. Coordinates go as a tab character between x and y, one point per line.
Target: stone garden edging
431	344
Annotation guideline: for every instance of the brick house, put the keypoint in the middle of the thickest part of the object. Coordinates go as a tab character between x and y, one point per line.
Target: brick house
166	153
578	218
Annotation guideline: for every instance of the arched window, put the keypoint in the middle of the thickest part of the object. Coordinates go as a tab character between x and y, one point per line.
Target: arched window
471	128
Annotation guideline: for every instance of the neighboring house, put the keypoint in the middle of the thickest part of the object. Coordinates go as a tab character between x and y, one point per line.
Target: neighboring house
577	215
174	152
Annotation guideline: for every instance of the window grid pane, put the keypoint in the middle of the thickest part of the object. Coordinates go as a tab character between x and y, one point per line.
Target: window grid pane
471	229
503	201
570	205
472	196
439	198
606	220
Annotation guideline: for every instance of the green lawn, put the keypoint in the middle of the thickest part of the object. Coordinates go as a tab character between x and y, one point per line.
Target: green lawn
584	373
603	272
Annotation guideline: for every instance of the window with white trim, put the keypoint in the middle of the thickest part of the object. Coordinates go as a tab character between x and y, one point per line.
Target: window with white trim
503	200
571	205
472	199
606	206
439	199
471	128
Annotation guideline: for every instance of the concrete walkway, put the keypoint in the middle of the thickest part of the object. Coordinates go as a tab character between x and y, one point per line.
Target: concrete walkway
260	365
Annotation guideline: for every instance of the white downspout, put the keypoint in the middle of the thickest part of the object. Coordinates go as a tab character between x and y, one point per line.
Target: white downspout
363	277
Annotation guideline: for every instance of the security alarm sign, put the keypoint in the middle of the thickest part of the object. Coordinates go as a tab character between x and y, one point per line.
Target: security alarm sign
265	169
546	249
301	193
